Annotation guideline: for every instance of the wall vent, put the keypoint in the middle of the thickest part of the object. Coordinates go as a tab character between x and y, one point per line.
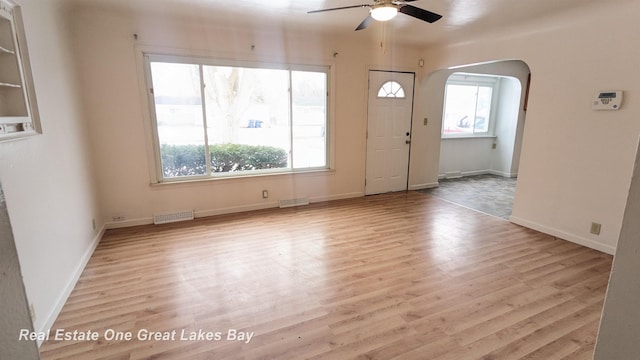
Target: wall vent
293	202
173	217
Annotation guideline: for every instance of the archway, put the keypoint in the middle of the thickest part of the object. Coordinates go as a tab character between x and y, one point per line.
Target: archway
491	148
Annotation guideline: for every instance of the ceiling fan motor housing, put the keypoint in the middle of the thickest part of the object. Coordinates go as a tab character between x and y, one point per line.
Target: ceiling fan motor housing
384	10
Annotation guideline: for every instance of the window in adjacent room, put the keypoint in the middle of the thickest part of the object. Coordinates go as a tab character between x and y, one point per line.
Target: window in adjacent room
468	104
215	119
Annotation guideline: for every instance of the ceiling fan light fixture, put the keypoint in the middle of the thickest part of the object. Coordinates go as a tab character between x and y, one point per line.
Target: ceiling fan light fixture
384	12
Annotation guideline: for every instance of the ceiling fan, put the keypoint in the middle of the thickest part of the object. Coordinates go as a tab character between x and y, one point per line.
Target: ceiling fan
384	10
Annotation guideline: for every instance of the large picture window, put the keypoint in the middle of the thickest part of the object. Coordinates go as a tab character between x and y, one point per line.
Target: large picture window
468	105
214	119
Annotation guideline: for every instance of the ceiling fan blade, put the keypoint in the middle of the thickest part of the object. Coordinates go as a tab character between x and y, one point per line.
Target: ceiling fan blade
339	8
365	23
421	14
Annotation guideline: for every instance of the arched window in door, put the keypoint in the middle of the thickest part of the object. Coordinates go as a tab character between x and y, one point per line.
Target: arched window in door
391	89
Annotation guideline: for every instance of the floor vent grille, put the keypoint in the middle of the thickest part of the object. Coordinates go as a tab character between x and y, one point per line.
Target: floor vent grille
173	217
293	202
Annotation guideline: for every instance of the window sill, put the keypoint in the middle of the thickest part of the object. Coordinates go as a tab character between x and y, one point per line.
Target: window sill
18	136
205	180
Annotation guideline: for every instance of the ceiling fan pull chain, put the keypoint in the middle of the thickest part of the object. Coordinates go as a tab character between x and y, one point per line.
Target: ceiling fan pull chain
382	42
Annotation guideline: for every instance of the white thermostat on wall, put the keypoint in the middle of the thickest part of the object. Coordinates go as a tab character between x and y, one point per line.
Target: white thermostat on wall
607	100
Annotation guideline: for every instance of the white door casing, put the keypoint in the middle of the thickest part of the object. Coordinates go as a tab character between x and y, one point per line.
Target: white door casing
388	131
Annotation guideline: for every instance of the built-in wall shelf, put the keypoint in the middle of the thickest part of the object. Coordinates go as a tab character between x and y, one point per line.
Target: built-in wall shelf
18	112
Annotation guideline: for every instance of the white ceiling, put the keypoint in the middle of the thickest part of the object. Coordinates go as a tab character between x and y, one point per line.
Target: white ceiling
461	18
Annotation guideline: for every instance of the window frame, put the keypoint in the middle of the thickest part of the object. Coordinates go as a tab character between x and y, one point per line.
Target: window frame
158	176
25	123
479	80
388	94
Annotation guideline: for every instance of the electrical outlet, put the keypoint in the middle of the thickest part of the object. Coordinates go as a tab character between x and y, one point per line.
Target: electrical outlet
595	228
494	145
426	121
265	194
118	218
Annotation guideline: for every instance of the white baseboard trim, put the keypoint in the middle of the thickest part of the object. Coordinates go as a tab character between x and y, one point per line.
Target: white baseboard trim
424	186
461	174
236	209
476	172
503	174
129	223
229	210
271	204
564	235
51	317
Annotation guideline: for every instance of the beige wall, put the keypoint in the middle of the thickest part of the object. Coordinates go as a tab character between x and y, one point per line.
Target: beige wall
110	66
47	178
576	163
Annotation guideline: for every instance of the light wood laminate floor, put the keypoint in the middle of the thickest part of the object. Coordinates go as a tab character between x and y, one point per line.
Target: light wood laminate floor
402	275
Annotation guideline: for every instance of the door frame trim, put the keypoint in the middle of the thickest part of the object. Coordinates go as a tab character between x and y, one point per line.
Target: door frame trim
413	101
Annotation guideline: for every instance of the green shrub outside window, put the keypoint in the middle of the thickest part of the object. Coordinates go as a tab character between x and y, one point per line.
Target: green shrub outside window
189	160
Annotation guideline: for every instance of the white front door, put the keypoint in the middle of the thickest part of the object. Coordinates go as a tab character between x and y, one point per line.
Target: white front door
390	111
